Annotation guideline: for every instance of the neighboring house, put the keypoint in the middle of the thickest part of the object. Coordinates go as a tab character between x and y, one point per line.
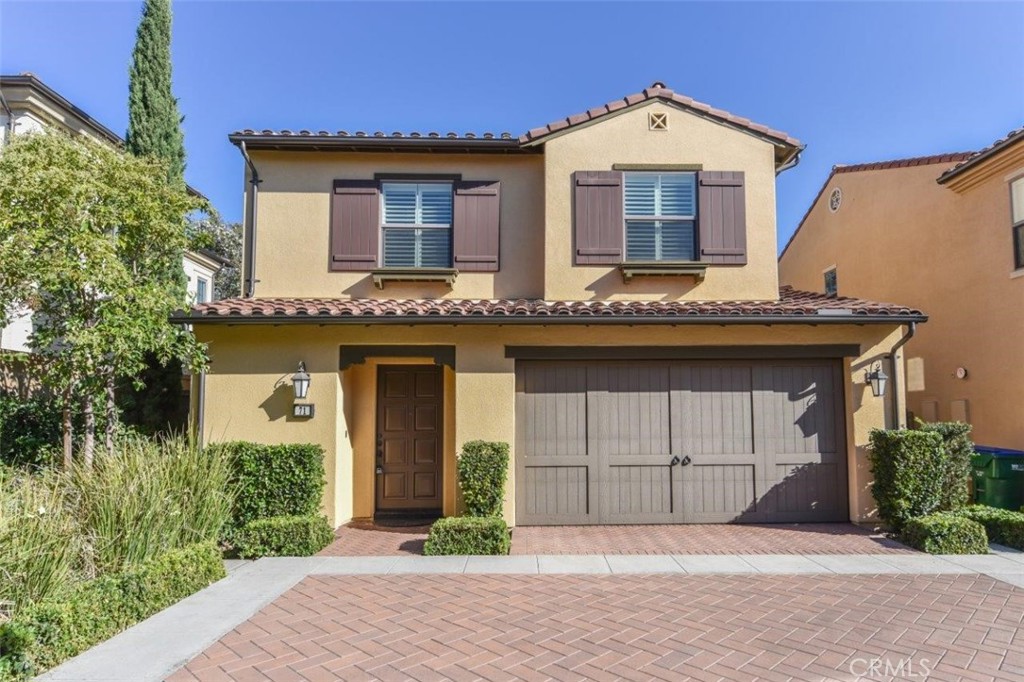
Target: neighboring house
28	105
946	238
600	292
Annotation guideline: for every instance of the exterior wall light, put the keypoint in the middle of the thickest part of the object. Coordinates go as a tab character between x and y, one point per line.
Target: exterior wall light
878	379
300	382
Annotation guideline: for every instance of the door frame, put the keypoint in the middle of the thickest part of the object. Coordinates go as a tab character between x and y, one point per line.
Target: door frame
438	370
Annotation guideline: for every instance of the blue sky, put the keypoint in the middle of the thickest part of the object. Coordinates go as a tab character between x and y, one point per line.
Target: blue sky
855	81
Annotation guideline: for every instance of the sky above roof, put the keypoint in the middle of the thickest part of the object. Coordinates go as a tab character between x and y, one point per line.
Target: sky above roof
856	82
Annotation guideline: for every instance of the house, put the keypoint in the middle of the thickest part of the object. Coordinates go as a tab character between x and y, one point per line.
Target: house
28	105
944	233
600	292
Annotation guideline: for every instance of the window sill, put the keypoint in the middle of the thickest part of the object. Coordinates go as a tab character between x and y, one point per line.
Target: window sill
439	275
695	269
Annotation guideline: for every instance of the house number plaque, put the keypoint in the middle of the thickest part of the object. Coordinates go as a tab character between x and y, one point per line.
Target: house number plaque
303	411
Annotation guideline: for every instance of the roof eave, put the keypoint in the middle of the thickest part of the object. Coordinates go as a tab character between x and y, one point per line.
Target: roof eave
333	143
971	164
723	320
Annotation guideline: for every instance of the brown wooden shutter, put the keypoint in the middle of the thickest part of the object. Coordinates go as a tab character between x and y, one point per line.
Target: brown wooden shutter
355	225
722	214
475	219
597	203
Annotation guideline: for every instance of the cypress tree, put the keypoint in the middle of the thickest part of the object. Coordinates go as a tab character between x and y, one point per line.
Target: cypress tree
154	122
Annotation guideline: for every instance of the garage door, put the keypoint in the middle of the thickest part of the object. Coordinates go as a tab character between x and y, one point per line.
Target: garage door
679	442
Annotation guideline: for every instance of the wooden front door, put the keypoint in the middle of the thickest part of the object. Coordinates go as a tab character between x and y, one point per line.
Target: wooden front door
409	437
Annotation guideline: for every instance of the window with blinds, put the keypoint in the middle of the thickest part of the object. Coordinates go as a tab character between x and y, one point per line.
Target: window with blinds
417	227
661	216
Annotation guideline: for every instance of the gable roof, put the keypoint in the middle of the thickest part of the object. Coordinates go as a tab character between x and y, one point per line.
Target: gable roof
658	91
787	147
1011	138
793	307
33	83
910	162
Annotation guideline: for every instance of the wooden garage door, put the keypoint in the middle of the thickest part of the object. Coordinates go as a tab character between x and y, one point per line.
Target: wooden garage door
679	442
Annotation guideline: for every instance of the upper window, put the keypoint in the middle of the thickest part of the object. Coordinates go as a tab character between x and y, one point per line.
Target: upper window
417	229
661	215
831	283
1017	216
202	290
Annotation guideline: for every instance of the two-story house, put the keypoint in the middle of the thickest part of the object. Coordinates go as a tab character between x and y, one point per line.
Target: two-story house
944	233
600	292
28	105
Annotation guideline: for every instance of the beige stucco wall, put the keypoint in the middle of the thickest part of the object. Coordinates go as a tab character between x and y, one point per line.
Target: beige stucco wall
293	223
690	139
900	237
248	395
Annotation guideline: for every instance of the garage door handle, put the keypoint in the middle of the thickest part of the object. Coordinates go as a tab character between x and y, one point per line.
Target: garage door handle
686	460
675	461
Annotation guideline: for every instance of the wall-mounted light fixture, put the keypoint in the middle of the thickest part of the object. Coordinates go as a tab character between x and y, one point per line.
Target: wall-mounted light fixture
300	382
878	379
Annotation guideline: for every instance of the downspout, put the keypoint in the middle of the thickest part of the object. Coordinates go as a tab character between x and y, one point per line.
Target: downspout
249	268
911	328
10	119
793	162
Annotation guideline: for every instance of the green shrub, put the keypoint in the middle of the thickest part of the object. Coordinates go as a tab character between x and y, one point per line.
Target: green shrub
39	541
467	535
482	471
1004	527
959	449
283	536
30	429
151	497
945	533
909	473
44	634
274	480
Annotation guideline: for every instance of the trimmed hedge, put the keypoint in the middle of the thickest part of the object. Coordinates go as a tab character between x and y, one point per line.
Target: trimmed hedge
42	635
945	533
959	449
909	472
457	535
275	480
283	536
482	472
1004	527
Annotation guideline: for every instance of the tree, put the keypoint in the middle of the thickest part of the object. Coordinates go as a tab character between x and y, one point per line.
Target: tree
87	235
154	122
225	240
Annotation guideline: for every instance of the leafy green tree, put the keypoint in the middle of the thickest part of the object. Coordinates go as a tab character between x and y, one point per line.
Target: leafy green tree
154	122
87	235
225	240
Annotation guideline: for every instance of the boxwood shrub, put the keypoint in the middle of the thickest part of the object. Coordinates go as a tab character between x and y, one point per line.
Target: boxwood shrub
1003	526
945	533
909	474
283	536
275	480
958	449
457	535
482	471
42	635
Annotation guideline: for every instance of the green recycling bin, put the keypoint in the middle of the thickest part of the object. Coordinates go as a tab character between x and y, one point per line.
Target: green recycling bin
998	477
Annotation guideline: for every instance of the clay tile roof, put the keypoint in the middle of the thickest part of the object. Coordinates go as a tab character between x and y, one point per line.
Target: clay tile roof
250	132
792	306
659	91
977	157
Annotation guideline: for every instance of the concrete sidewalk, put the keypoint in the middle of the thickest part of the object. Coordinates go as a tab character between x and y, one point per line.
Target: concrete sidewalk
155	648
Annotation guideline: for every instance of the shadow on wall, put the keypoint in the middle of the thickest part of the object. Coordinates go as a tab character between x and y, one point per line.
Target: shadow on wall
279	403
610	284
809	492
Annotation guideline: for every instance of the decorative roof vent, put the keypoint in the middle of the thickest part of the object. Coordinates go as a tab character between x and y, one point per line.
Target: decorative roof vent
835	200
658	120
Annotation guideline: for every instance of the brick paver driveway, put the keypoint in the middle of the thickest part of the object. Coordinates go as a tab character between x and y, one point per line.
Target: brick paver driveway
807	538
633	627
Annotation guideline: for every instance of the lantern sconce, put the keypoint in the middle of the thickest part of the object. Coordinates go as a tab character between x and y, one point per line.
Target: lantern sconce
300	382
877	378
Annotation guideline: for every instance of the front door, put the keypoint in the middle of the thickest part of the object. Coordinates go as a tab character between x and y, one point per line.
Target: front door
409	437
